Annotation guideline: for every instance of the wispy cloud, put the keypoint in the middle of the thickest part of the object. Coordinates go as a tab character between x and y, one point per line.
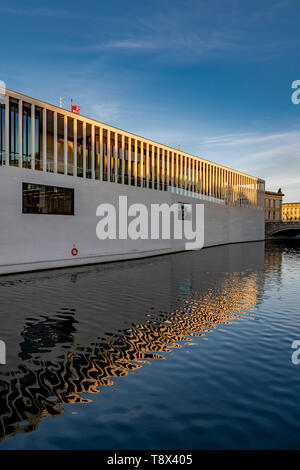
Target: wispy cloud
105	112
129	44
44	12
249	138
274	157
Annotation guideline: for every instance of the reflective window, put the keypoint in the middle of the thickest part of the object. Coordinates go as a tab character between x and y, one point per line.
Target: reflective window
40	199
37	142
14	135
26	137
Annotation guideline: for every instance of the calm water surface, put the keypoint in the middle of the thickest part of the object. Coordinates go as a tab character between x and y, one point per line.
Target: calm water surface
187	351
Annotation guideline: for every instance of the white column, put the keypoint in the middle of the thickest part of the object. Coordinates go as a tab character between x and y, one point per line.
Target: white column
101	152
33	137
108	153
195	179
135	161
186	173
163	169
55	141
243	189
153	167
7	116
20	132
65	145
116	157
228	180
44	139
200	177
158	168
142	164
123	158
75	147
93	150
180	157
147	165
234	188
167	179
129	161
222	183
172	169
177	170
193	187
84	149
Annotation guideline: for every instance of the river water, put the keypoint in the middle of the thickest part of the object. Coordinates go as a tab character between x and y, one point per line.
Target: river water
187	351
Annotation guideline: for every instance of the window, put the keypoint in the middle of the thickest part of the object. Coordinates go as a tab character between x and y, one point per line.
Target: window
26	137
13	134
40	199
184	211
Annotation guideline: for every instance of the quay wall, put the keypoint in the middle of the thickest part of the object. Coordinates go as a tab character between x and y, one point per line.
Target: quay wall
34	241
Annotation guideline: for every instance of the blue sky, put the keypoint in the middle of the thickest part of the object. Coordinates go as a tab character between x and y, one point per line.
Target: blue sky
213	75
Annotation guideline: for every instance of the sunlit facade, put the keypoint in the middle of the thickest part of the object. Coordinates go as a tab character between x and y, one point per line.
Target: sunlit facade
42	137
291	211
273	206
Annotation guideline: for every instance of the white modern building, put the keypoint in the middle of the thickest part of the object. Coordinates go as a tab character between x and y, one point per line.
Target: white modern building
56	167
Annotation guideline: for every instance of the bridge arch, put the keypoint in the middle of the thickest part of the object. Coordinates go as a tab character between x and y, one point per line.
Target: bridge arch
282	229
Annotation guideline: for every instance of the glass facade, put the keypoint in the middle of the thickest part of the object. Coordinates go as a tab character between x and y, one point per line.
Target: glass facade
37	140
50	141
14	134
40	199
79	149
26	138
88	152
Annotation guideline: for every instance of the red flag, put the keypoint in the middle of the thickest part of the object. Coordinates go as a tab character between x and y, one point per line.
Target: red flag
75	109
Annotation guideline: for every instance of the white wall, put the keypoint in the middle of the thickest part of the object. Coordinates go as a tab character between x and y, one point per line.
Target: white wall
32	241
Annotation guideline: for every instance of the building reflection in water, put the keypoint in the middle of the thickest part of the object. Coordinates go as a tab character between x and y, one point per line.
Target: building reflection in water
40	385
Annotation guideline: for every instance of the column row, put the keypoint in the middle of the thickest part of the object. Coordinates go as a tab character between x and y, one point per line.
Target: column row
44	139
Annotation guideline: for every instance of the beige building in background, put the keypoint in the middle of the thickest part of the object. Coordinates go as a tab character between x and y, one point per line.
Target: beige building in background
273	206
291	211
